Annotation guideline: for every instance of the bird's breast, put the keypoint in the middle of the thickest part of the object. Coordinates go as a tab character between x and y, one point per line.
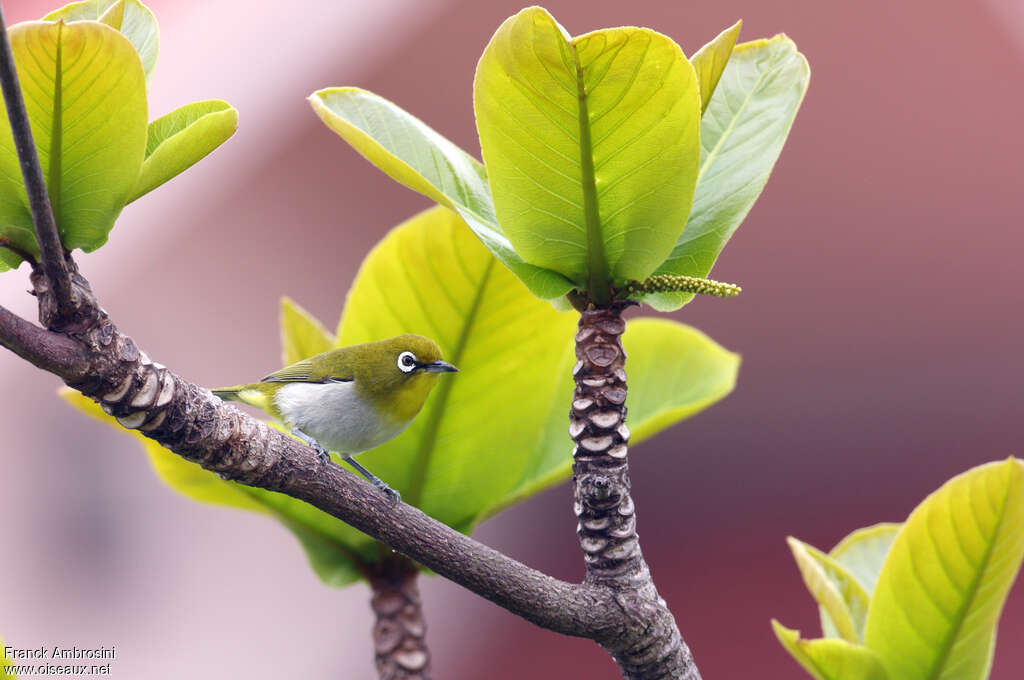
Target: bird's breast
335	415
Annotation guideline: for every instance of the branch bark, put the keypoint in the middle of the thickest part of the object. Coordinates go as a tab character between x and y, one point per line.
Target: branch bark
605	509
399	632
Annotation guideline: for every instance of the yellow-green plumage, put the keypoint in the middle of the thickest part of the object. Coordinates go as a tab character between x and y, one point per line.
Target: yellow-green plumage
353	398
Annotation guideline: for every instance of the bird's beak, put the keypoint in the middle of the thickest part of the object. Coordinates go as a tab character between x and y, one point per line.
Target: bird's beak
439	367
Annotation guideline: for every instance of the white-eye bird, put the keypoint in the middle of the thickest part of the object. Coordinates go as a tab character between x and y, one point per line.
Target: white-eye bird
350	399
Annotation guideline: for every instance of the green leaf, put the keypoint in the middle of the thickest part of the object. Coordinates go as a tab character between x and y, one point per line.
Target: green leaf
710	60
86	100
862	554
674	372
180	139
302	334
834	588
831	659
942	588
326	540
414	155
130	17
741	135
591	146
478	445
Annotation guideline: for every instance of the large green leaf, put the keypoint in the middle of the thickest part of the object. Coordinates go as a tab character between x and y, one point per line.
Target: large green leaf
831	659
942	587
130	17
838	592
741	135
591	146
674	371
328	542
418	157
709	62
86	99
861	554
492	434
177	141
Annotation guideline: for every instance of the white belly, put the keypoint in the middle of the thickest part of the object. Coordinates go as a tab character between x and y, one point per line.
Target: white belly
334	415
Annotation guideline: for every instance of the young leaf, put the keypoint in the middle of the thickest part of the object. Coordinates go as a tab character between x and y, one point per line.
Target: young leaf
710	60
86	101
413	154
130	17
177	141
741	136
862	554
326	540
302	334
942	587
591	146
834	588
831	659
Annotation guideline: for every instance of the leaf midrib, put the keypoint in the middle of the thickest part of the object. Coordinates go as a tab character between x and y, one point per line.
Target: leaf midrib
597	275
971	592
53	184
428	442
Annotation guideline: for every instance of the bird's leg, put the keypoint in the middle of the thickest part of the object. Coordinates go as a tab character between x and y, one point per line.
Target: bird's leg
313	444
374	479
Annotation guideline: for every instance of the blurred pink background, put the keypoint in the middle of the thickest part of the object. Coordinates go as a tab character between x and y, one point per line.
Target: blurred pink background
880	327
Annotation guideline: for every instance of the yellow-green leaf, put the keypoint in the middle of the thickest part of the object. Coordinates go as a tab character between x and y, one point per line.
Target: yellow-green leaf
591	146
831	659
4	664
415	155
130	17
86	99
862	554
834	588
940	592
741	136
302	334
177	141
710	60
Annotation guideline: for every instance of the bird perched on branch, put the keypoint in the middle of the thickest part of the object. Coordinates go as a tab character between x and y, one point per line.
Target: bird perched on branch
350	399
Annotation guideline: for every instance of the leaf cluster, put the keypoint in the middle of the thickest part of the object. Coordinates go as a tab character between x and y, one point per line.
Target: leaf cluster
83	72
918	600
609	157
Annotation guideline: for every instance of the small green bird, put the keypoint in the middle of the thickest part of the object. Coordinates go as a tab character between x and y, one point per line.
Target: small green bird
350	399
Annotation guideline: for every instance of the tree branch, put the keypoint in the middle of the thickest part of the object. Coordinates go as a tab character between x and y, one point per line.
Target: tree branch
604	507
49	351
399	631
52	255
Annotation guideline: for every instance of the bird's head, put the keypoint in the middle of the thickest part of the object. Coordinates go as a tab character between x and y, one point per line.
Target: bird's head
398	373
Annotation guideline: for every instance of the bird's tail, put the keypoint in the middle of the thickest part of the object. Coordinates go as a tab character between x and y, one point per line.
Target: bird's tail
228	393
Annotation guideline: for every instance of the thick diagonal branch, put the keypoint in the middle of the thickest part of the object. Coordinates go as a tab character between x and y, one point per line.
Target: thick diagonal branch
605	509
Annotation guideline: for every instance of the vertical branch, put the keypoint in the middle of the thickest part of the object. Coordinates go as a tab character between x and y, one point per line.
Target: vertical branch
399	631
651	646
52	258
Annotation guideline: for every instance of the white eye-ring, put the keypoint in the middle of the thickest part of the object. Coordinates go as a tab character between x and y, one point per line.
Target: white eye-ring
407	362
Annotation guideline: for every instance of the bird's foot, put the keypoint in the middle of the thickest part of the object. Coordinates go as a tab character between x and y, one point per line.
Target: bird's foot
376	481
325	456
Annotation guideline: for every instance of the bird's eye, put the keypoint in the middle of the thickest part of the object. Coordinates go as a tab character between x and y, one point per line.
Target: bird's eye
406	362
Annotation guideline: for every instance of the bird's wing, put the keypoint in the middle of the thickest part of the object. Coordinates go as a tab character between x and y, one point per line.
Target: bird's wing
311	371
